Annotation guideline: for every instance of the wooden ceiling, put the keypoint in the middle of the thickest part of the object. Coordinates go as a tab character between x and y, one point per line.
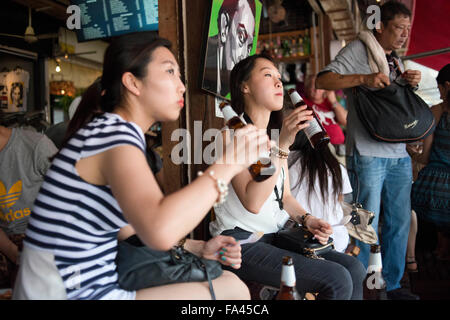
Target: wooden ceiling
341	17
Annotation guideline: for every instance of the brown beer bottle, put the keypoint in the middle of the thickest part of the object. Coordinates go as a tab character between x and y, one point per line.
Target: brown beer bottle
374	284
288	291
263	168
316	134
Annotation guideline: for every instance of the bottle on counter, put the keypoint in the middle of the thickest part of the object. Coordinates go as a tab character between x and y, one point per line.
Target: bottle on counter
374	284
288	291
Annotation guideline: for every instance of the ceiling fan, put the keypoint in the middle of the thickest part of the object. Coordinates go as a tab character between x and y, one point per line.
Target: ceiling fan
68	55
30	36
61	49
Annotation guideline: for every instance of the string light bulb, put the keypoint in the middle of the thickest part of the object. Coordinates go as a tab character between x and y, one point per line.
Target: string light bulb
58	67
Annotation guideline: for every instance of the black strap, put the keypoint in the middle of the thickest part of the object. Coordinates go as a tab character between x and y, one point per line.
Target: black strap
280	199
205	269
211	289
247	119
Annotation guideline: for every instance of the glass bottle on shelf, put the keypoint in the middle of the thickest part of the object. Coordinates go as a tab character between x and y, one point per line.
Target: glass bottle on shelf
315	132
307	43
272	52
279	48
300	51
263	168
293	47
286	49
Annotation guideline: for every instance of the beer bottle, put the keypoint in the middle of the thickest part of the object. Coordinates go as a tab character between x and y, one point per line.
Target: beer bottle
288	290
374	284
263	168
316	134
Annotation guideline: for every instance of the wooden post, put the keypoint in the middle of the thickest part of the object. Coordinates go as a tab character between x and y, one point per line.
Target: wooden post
170	27
187	38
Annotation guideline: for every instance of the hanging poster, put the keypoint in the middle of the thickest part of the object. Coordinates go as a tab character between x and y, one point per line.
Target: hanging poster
232	36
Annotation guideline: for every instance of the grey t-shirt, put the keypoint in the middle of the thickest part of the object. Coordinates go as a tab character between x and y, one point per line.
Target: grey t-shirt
23	163
352	59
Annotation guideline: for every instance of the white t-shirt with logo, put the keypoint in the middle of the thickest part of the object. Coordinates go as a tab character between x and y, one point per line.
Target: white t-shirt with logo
3	92
17	82
327	209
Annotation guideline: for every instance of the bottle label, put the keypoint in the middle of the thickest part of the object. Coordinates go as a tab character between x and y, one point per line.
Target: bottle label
228	113
288	276
375	261
314	127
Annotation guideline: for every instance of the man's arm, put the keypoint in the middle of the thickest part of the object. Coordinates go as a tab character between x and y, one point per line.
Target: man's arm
335	81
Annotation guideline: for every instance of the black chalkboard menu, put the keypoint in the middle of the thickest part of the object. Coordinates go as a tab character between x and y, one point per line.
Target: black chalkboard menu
108	18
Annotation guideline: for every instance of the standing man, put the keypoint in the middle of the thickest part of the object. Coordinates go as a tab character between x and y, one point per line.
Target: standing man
383	169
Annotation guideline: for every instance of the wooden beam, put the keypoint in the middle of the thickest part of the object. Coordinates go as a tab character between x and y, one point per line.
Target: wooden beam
315	7
169	28
344	29
343	19
335	11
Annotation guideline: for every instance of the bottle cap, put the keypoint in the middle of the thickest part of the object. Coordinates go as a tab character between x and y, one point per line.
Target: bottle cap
287	260
295	96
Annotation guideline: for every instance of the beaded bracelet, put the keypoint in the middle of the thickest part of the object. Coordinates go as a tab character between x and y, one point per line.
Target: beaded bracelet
222	187
280	153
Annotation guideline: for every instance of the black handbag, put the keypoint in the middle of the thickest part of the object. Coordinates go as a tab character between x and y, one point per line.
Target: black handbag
140	267
393	114
300	240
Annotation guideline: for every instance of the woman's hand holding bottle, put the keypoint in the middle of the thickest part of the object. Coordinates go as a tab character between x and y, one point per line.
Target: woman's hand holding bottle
243	147
297	120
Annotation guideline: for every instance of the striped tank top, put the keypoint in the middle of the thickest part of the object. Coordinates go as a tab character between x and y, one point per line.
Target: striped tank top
77	221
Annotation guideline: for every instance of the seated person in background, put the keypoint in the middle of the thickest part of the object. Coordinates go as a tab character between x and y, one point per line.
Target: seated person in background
331	113
318	182
57	131
24	159
257	93
430	195
100	182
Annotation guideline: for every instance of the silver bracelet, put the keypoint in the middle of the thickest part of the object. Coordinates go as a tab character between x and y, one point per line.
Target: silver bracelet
221	186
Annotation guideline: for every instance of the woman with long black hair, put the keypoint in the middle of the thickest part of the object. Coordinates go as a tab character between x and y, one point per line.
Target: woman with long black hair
318	182
257	94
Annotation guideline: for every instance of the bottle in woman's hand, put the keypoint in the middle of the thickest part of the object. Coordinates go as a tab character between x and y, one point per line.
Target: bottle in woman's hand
263	168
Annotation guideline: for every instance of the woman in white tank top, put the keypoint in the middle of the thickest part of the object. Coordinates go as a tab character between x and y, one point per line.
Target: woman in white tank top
257	93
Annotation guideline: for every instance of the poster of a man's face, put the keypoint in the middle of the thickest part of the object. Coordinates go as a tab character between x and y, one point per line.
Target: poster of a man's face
233	30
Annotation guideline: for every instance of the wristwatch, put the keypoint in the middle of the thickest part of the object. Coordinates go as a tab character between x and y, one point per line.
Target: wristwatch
303	219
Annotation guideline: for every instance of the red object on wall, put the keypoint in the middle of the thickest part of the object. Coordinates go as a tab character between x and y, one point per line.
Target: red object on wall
431	31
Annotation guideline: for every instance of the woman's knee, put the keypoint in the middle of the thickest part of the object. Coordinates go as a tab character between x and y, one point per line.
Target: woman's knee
357	270
230	287
338	285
